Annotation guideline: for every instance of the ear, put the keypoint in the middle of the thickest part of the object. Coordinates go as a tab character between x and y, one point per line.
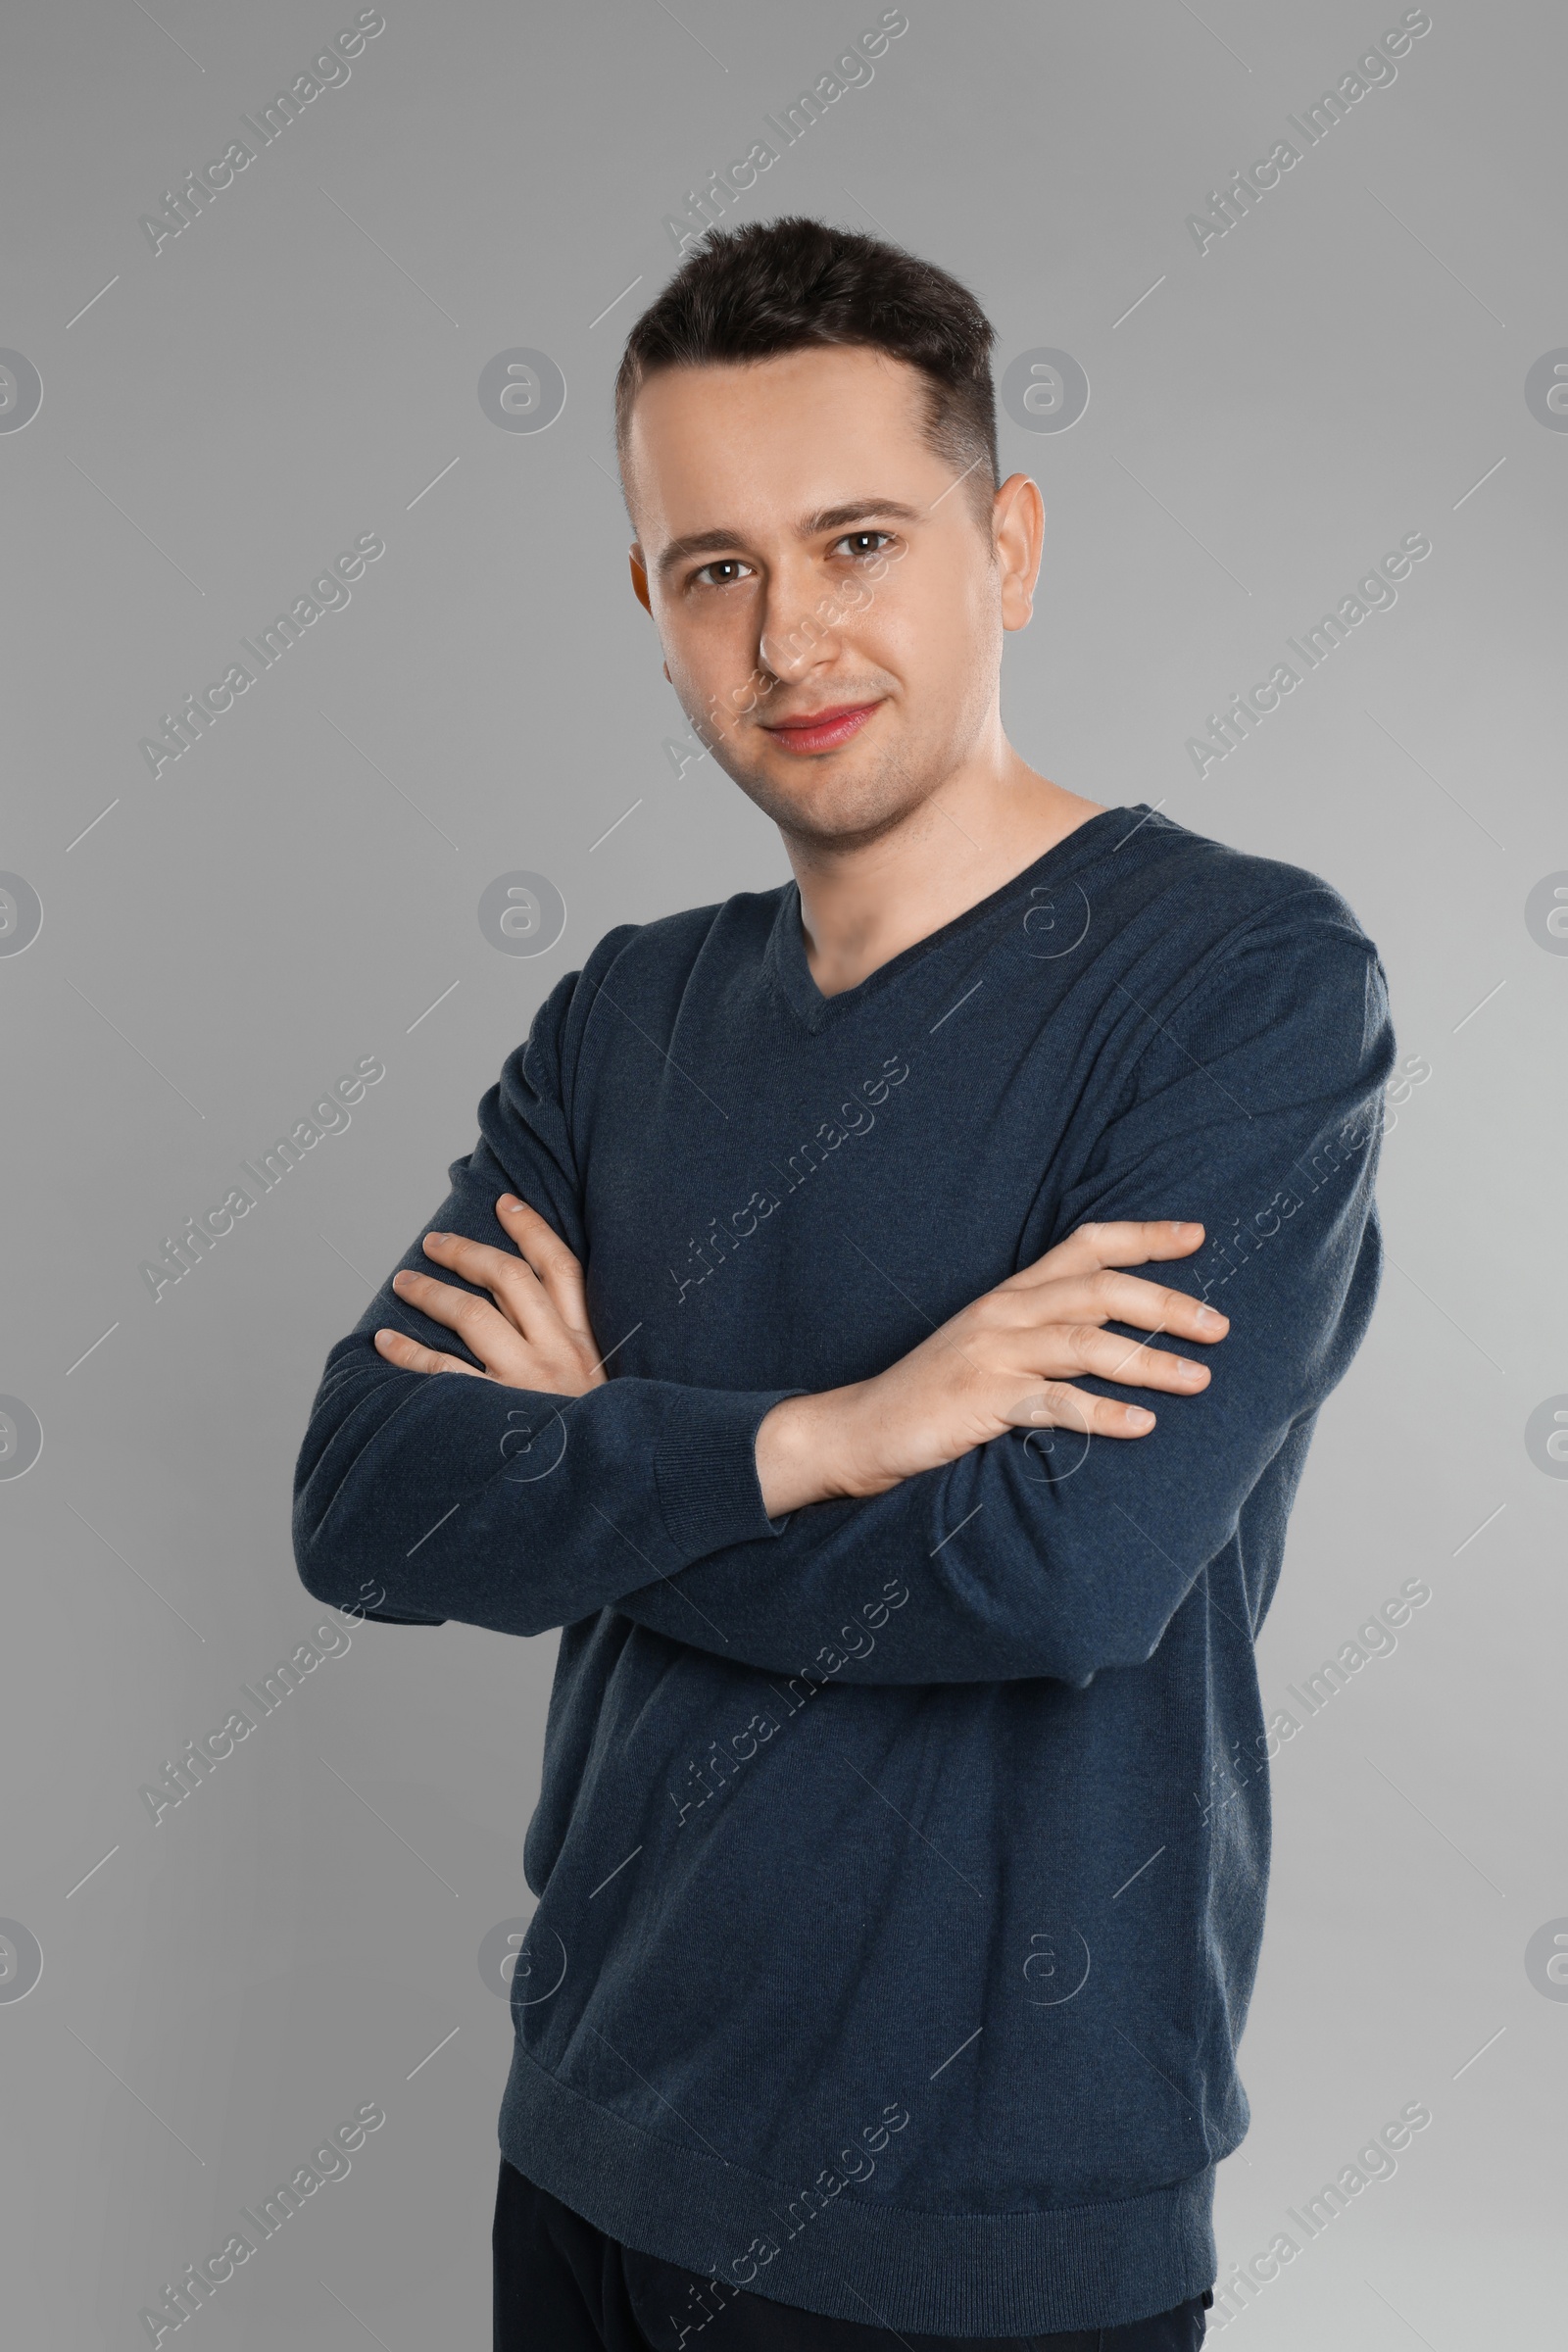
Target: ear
639	578
1018	521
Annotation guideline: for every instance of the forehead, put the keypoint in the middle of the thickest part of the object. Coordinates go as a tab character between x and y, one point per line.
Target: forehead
761	440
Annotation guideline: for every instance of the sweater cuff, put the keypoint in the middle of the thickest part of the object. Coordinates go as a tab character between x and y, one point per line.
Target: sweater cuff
704	1474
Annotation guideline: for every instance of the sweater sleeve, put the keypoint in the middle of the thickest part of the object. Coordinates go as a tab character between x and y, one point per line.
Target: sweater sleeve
1256	1107
420	1498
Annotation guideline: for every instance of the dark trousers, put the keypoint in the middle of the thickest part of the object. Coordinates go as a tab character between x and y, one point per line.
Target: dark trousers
561	2285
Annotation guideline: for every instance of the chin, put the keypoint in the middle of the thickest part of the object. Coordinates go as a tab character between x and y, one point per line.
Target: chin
835	804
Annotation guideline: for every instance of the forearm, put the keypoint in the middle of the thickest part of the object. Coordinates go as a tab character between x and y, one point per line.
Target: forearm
980	1571
1044	1554
508	1508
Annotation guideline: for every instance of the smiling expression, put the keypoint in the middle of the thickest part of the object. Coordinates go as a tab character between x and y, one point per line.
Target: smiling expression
825	585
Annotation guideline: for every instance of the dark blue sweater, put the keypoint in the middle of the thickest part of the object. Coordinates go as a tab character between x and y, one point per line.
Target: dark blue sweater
900	1864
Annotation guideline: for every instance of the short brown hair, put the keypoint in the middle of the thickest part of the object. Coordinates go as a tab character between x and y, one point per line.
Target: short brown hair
773	286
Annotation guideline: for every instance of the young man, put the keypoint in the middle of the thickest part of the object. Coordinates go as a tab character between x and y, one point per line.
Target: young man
901	1848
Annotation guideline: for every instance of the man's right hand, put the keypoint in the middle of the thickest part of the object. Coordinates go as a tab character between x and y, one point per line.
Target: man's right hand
1005	1362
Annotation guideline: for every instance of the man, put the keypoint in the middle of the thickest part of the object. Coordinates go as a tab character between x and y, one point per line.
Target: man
901	1847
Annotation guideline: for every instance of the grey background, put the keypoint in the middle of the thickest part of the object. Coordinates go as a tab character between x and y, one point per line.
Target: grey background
302	887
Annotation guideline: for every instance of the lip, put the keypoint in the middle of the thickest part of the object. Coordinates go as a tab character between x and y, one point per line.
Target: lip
821	730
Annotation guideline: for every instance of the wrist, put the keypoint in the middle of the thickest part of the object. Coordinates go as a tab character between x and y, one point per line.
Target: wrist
805	1450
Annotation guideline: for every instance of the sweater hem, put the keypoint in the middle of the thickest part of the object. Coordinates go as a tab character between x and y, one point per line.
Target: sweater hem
968	2274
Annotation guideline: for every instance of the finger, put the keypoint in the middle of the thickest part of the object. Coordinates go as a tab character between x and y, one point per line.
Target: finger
1073	1348
1112	1296
1057	1404
409	1356
555	1266
482	1328
1133	1243
1107	1296
1109	1356
506	1276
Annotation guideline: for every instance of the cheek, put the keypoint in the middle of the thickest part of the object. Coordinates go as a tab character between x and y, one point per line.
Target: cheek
940	639
710	647
712	666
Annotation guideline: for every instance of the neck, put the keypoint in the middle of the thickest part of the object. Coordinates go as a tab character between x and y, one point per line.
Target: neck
985	823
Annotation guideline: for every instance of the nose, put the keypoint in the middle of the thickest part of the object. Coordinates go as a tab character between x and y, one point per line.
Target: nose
801	621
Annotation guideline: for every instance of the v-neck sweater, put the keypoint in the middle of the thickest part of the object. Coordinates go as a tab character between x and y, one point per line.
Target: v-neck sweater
900	1862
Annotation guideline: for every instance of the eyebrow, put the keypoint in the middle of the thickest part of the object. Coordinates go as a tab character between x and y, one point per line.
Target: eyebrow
826	519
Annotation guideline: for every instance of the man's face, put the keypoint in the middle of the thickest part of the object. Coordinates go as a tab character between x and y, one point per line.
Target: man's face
809	557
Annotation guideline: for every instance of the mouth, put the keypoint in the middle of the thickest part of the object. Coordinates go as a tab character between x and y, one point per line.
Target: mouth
820	730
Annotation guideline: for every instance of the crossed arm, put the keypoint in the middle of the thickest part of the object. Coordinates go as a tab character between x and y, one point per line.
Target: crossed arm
514	1484
1005	1362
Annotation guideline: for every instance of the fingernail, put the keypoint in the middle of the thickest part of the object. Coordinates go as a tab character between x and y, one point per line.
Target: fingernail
1193	1374
1137	1418
509	1201
1208	1319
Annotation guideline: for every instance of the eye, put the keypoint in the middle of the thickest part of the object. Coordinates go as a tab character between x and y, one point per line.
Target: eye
859	544
731	565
